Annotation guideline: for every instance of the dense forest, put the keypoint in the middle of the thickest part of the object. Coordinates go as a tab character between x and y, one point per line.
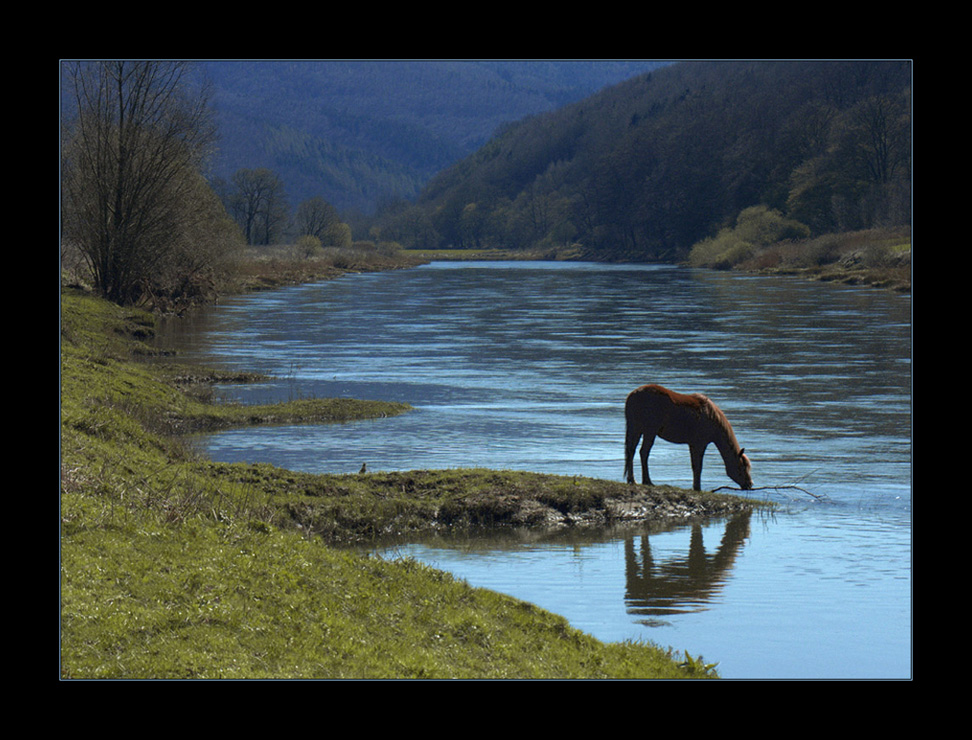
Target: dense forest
359	132
649	167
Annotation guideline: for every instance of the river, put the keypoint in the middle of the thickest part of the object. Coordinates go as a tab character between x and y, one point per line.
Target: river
526	366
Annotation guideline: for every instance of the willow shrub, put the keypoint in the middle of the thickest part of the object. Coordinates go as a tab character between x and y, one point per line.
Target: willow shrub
756	228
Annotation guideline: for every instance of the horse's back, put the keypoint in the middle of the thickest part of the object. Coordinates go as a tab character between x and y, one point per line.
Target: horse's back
654	394
655	410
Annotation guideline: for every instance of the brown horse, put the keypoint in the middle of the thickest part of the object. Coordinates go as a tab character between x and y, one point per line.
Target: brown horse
652	411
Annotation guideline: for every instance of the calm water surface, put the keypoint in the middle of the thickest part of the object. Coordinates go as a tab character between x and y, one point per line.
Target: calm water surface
526	366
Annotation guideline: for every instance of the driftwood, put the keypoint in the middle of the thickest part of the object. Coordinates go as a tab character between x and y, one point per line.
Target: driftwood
819	497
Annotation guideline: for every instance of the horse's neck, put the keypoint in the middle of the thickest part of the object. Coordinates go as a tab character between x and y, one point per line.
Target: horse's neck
725	442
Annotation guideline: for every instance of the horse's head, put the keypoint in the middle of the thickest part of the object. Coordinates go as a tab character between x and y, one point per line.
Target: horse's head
742	473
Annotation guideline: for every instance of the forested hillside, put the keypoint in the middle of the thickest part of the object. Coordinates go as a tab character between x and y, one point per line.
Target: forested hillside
359	132
649	167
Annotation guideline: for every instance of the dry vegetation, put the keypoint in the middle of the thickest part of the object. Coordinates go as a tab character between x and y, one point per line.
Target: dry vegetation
262	268
876	257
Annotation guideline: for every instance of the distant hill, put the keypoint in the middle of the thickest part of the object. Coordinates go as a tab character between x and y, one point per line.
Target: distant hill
359	132
646	168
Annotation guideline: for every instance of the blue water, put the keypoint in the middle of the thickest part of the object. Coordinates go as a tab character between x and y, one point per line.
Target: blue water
526	366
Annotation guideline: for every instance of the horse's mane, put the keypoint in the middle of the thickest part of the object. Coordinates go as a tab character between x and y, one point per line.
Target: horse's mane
715	415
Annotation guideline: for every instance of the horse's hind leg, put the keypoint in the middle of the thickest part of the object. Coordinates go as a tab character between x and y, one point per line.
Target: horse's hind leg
697	454
645	450
630	445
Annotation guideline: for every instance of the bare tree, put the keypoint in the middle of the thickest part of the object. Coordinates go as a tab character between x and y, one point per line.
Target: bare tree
259	205
131	166
881	130
317	217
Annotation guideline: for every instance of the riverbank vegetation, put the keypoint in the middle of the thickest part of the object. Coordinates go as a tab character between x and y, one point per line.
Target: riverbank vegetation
173	566
764	241
262	268
879	258
138	218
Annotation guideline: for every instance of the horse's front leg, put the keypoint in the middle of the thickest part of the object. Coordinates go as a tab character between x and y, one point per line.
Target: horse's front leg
697	452
645	450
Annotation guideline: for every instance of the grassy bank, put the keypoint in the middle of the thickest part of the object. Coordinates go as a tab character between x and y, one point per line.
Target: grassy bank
264	268
472	255
176	567
879	258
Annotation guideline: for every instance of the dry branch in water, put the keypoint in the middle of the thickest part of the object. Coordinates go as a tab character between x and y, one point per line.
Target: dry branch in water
819	497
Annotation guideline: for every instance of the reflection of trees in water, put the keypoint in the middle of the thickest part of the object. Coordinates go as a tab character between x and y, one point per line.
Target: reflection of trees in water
680	584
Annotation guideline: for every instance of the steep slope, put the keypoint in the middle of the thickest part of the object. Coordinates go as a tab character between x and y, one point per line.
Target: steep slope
648	167
355	132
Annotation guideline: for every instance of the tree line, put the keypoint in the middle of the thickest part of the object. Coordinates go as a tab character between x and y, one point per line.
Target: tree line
257	200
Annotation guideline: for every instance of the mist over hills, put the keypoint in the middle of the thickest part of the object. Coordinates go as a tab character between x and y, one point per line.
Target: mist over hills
360	132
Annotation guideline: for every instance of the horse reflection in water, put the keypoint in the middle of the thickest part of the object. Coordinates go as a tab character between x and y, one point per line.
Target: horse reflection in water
653	411
682	584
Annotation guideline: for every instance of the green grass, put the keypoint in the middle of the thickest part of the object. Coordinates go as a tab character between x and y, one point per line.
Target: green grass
236	600
175	567
396	505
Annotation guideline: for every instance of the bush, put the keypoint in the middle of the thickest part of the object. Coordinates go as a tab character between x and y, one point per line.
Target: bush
716	251
756	227
337	235
822	251
308	245
761	226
